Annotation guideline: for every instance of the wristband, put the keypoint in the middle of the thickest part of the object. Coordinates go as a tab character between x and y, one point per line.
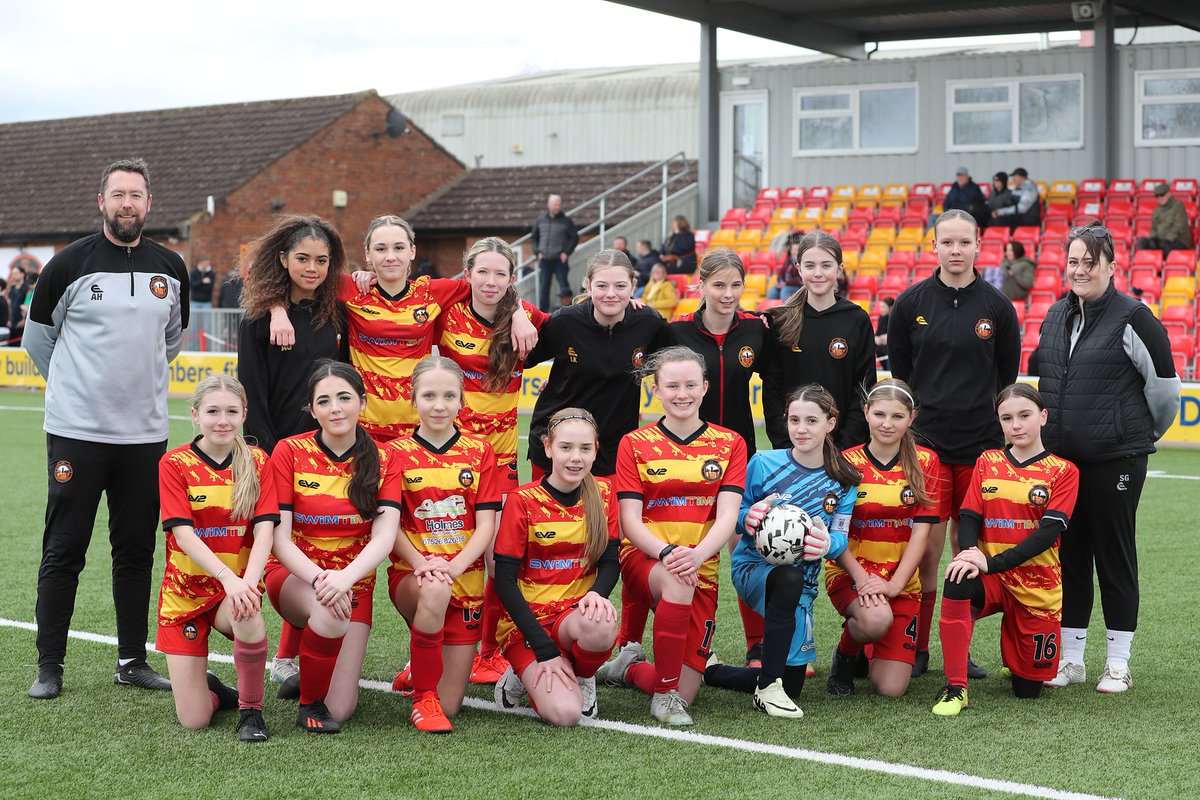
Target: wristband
666	551
221	572
314	581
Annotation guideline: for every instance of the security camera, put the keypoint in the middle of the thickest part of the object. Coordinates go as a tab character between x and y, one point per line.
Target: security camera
1086	11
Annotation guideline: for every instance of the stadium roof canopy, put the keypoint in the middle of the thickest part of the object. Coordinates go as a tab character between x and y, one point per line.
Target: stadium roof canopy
844	27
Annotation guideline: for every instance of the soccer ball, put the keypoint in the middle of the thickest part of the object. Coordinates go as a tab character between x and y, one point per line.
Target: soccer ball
780	537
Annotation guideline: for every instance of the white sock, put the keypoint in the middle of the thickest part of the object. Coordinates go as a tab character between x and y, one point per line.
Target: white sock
121	662
1074	641
1119	643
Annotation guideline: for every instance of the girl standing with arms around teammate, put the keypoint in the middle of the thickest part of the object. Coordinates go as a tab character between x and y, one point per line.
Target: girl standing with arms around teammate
556	563
1016	510
339	501
451	497
954	339
874	584
596	345
672	558
219	512
817	336
814	475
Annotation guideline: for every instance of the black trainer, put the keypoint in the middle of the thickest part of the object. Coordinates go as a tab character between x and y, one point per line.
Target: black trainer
841	675
139	673
315	718
289	687
754	655
48	684
862	665
974	671
227	696
921	663
251	727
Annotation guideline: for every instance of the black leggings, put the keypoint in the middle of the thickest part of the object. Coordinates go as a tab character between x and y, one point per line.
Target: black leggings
972	589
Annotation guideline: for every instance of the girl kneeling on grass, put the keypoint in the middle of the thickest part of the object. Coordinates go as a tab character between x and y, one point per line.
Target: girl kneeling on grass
447	520
1017	507
814	475
219	511
679	485
875	584
339	501
556	563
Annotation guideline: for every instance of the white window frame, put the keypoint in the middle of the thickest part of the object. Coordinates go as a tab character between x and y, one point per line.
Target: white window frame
1013	104
853	112
1141	101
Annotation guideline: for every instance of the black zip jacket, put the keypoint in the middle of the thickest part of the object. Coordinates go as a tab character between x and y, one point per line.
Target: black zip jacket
836	350
594	369
956	348
728	366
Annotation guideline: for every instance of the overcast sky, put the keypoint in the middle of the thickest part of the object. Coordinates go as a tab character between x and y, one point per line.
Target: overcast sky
64	58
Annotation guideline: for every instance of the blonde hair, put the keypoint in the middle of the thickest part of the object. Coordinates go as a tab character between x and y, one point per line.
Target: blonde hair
910	461
245	473
603	260
429	364
594	516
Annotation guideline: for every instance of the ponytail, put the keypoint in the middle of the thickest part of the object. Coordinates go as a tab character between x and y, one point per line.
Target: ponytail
837	466
502	358
246	487
595	520
364	480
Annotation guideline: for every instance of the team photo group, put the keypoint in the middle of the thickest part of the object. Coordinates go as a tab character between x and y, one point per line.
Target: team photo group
373	422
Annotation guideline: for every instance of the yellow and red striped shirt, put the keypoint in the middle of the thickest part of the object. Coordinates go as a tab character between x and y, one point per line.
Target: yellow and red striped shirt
313	484
197	492
464	338
884	514
1012	498
550	540
678	481
443	489
388	336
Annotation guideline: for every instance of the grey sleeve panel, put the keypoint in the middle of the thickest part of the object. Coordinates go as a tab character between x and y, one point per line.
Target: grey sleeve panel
1152	358
39	340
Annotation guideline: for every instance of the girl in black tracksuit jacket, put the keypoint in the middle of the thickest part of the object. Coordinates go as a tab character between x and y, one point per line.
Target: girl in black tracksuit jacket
598	347
816	337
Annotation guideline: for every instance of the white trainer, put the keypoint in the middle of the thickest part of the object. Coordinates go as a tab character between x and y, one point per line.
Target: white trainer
1068	673
774	701
670	708
612	673
509	691
1114	680
283	668
587	686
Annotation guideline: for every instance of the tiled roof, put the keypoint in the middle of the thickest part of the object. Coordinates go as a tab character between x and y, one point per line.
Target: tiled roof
52	168
508	199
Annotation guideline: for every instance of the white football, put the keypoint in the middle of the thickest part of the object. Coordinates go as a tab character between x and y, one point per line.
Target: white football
780	537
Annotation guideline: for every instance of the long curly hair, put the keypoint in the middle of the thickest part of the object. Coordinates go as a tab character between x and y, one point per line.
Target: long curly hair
267	282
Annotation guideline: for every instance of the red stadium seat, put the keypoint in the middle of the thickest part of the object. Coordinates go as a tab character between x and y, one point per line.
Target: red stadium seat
926	258
1031	338
1058	211
893	283
1088	210
1056	228
794	193
1091	187
989	257
1047	280
1026	352
923	271
772	193
1185	188
1181	365
996	233
925	190
1037	312
1148	258
866	281
1122	187
1148	185
902	258
1019	307
1180	315
943	190
889	215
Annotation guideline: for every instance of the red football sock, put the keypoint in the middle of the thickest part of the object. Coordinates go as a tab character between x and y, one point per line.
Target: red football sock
586	662
318	655
289	640
956	628
670	637
216	701
925	620
491	615
752	622
848	645
633	617
643	675
250	659
425	649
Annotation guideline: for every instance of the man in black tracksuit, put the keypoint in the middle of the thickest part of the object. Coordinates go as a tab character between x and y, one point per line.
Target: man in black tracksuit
106	319
553	238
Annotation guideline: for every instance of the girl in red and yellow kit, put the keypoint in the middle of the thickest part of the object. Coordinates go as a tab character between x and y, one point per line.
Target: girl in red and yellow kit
219	511
448	519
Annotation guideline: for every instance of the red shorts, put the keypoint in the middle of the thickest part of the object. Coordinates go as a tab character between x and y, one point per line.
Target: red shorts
462	625
900	641
190	637
956	479
361	603
635	574
1029	644
517	650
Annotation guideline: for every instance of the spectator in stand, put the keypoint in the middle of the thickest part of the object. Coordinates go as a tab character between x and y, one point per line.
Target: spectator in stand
554	238
1026	205
647	257
1017	272
1169	228
203	280
14	295
622	244
230	293
679	249
787	278
965	195
660	293
1001	196
881	329
4	331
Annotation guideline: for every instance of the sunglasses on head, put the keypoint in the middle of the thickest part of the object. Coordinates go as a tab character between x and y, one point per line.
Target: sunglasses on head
1097	230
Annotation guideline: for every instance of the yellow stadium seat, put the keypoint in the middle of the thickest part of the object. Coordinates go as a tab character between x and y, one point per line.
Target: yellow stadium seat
749	237
895	194
687	305
836	213
910	236
756	283
865	305
722	239
1043	189
1179	290
906	247
777	229
869	193
872	259
1062	192
850	260
882	235
812	214
845	193
832	228
750	300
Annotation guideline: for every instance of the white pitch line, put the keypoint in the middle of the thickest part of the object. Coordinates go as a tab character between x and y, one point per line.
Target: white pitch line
1157	473
759	748
41	409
